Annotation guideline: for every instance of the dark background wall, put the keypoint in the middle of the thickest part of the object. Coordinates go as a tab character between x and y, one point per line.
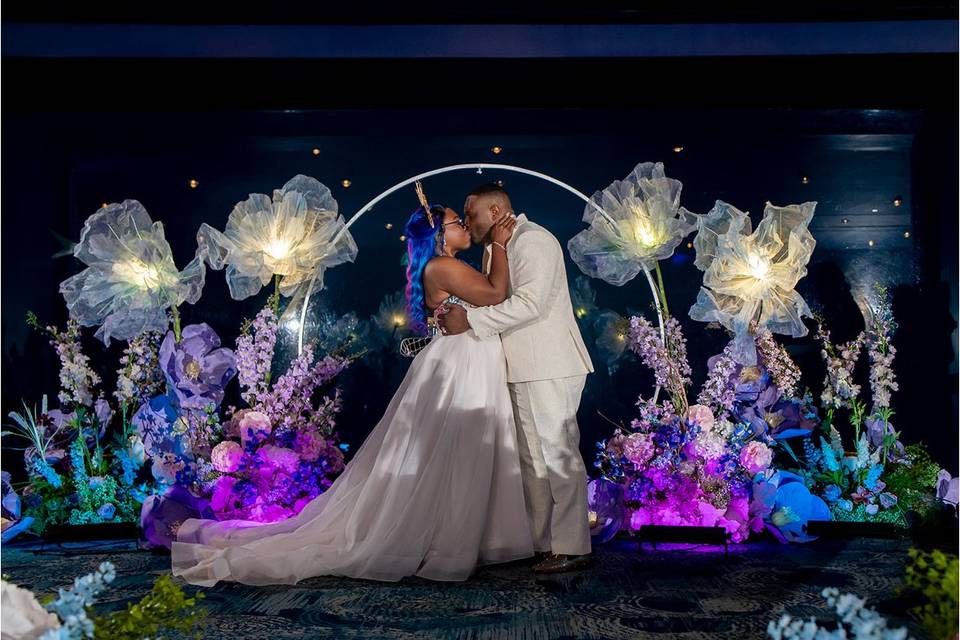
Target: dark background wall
867	120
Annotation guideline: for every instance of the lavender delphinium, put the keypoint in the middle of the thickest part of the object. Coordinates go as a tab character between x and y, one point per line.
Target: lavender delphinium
774	357
881	351
717	392
254	354
667	360
139	377
77	380
839	389
290	402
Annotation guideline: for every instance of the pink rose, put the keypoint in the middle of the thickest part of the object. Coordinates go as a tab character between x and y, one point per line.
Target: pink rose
309	445
702	416
638	448
279	458
226	456
254	426
756	457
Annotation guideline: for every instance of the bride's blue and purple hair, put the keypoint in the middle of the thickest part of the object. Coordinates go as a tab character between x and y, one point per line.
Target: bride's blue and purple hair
422	245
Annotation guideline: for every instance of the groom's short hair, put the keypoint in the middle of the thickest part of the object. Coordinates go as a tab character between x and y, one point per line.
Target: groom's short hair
487	189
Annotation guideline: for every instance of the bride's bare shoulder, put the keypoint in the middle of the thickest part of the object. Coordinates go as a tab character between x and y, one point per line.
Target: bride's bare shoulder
445	265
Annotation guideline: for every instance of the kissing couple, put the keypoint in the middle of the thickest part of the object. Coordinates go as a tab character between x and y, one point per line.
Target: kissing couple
476	459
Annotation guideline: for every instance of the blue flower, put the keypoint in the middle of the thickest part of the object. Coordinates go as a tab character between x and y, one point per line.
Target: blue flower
831	493
787	505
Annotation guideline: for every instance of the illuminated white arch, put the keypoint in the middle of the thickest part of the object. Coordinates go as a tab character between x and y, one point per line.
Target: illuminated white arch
479	167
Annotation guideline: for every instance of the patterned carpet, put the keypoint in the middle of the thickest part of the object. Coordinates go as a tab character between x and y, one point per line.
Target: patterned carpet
673	592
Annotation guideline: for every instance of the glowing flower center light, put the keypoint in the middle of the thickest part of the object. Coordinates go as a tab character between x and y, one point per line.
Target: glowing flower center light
137	273
398	320
758	266
277	248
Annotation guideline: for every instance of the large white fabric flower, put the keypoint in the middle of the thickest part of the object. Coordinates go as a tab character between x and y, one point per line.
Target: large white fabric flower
23	617
131	279
750	277
645	225
290	236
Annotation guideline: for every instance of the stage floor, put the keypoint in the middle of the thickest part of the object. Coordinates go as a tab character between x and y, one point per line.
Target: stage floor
675	592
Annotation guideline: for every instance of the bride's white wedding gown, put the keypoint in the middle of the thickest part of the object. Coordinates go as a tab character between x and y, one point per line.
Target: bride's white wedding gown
434	491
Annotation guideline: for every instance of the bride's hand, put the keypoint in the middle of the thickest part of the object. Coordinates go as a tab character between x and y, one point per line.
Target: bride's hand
502	229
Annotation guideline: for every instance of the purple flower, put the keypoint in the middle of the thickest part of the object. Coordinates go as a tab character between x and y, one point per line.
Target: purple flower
161	516
605	500
195	368
876	433
948	488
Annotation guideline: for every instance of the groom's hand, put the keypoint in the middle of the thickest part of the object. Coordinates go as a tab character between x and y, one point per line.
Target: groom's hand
454	321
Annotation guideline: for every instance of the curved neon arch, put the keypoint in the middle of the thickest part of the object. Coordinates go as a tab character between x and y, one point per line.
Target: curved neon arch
479	167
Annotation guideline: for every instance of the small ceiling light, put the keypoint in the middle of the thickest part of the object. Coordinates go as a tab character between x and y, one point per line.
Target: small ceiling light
677	149
496	150
874	210
403	238
689	245
315	151
845	220
104	205
897	201
193	183
805	180
870	243
389	225
499	183
346	184
906	234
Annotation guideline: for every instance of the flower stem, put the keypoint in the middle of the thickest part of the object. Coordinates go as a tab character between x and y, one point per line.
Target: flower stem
662	291
175	312
276	295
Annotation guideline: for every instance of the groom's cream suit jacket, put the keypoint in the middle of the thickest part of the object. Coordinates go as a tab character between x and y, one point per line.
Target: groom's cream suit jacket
540	335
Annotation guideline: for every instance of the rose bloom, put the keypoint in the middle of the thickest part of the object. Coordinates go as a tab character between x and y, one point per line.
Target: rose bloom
279	458
702	416
309	445
638	448
756	457
226	456
254	425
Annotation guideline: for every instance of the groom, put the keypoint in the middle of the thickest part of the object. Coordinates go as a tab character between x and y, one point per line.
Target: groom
547	365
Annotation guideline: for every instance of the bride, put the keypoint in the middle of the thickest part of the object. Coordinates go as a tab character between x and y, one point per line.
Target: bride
435	490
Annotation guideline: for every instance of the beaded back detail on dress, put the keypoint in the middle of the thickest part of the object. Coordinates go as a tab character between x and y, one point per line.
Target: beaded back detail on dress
410	347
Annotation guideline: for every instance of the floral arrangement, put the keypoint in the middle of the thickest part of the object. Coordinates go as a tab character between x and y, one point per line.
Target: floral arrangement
76	473
175	452
854	620
755	451
70	615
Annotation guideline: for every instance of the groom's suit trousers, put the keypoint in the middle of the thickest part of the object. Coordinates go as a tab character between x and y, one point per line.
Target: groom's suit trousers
554	476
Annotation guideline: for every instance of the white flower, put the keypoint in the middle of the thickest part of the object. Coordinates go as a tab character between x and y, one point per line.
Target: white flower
290	236
646	224
130	279
750	277
23	617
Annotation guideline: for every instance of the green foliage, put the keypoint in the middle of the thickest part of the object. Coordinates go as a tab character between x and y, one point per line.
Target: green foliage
935	575
859	513
166	608
914	480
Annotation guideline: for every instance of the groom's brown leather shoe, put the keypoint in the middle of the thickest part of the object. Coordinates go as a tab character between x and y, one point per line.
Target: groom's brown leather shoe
561	563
